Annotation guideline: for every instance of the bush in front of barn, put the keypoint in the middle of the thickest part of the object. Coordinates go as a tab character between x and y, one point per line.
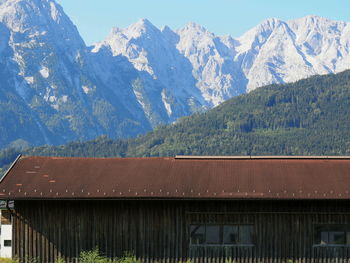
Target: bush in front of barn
94	256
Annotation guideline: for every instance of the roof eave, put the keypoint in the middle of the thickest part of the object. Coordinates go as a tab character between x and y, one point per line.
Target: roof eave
171	199
9	169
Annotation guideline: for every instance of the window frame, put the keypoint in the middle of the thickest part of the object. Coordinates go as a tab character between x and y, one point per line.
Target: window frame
346	232
221	232
7	240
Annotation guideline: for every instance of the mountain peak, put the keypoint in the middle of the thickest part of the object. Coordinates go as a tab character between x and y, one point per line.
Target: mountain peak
264	28
116	30
166	29
259	34
194	26
142	26
269	24
170	35
194	31
143	23
317	25
29	15
314	20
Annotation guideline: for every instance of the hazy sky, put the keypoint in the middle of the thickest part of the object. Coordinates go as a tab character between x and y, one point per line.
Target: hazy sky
95	18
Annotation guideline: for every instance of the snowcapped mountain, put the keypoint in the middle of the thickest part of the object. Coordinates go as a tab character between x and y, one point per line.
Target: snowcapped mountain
55	89
280	52
49	71
165	87
212	58
273	52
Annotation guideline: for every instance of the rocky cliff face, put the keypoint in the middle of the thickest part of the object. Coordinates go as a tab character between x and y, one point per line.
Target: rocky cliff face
50	73
280	52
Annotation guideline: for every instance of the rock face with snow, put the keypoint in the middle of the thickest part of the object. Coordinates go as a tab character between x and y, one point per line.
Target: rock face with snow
55	89
165	86
273	52
213	61
280	52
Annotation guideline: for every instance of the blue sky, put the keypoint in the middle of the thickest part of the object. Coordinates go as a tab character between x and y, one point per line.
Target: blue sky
95	19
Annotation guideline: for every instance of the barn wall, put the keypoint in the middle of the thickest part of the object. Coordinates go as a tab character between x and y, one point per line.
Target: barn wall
158	231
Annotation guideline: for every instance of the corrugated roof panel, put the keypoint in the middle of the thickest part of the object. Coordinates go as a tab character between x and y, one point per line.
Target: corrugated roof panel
209	178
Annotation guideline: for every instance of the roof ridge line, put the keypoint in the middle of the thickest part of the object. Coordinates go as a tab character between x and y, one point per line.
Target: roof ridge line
249	157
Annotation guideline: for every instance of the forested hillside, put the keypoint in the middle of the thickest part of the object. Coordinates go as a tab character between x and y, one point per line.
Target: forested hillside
309	117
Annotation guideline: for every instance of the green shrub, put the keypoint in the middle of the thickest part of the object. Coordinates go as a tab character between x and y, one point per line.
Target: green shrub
60	260
127	258
92	256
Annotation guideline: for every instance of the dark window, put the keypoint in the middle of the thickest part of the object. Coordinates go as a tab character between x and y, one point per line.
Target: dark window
213	235
197	234
332	235
230	235
246	235
5	217
7	243
221	234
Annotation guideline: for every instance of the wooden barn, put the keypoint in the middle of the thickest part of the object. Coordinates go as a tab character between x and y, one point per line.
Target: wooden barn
208	209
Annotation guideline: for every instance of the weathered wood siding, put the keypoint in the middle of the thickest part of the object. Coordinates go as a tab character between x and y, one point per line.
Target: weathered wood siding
158	231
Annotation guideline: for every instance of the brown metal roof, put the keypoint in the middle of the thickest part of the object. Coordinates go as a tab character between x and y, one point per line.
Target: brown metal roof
209	178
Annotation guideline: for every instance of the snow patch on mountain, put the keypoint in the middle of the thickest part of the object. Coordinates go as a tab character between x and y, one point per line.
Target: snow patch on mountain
30	80
44	71
167	105
55	13
86	89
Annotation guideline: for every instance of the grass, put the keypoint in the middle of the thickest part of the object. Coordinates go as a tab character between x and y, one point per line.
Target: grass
8	260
